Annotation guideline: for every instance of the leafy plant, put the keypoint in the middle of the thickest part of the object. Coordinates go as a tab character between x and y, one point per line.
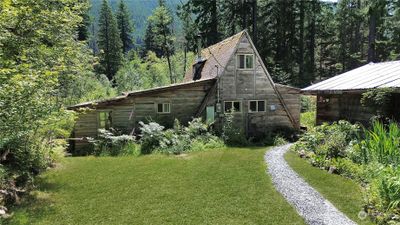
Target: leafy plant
233	134
381	144
108	142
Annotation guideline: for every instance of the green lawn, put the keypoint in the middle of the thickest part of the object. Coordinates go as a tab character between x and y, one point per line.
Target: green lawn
344	193
215	187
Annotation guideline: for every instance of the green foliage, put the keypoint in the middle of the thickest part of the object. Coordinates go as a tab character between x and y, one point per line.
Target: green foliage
109	42
381	144
378	100
308	103
110	143
372	158
232	133
151	71
279	140
328	141
307	119
151	136
43	67
125	26
384	192
194	137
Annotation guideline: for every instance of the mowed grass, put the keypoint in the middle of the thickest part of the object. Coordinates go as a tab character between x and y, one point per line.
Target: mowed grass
214	187
343	193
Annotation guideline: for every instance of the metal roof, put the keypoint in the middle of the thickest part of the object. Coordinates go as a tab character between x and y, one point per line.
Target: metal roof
372	75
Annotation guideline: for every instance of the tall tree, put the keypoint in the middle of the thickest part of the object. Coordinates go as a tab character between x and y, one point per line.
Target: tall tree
125	26
189	31
206	17
161	34
109	41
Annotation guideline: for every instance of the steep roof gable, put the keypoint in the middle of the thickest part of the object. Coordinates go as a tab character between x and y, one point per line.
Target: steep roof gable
217	54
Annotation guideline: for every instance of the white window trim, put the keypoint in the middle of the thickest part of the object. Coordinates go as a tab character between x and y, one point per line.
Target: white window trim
265	106
235	112
163	107
238	61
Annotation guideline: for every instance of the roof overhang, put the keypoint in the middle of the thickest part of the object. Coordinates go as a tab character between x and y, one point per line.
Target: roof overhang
126	95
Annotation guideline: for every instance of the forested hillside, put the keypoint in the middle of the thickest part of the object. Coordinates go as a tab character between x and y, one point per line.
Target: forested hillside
140	10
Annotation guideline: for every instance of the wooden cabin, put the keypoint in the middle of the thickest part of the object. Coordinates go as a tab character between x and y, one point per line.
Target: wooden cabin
339	98
228	76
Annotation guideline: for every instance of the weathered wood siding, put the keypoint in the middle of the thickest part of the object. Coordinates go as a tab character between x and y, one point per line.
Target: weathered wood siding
127	113
245	85
334	107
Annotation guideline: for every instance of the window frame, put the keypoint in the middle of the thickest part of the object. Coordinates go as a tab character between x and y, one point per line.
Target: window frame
233	102
245	67
108	114
163	107
265	106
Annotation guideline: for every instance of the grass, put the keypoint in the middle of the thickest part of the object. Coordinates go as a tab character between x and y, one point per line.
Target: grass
214	187
342	192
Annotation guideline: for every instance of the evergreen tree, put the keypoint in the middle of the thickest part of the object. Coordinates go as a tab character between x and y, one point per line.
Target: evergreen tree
161	34
206	17
125	26
83	31
109	42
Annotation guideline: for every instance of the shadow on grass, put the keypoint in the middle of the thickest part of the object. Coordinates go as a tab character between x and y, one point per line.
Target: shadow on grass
36	204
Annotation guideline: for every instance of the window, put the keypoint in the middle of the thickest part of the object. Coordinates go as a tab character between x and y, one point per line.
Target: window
257	106
232	106
163	107
245	61
104	121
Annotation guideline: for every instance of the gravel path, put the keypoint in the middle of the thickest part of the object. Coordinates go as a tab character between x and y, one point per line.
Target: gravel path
308	202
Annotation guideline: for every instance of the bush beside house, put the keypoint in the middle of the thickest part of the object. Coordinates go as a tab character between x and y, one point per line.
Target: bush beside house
369	156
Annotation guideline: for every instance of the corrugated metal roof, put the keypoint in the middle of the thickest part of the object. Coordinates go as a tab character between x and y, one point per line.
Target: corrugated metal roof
372	75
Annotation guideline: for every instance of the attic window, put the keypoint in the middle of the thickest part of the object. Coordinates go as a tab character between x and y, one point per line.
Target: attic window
245	61
197	68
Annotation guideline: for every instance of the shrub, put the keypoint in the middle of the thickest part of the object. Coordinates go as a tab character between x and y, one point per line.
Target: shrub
307	119
279	140
151	135
232	133
330	141
384	194
109	143
308	103
381	144
194	137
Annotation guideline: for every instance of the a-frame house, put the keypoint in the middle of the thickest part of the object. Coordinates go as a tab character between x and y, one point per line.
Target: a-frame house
228	77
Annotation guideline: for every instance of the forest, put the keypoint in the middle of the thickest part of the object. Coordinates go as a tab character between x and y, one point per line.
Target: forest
51	59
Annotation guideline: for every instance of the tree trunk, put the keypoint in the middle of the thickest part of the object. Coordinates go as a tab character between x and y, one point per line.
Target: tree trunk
372	37
255	22
300	78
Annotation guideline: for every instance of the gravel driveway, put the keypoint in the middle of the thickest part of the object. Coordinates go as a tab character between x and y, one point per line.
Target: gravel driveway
308	202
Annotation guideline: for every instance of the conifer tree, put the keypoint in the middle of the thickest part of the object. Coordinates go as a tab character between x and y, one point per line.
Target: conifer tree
125	26
160	36
109	42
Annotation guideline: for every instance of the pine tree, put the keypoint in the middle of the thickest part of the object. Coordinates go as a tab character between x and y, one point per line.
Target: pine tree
125	26
160	35
207	17
109	42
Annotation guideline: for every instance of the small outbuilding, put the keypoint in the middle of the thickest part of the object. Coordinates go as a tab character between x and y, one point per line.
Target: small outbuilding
229	76
339	98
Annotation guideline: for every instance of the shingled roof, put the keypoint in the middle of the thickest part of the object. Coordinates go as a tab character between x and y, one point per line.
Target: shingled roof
217	54
372	75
